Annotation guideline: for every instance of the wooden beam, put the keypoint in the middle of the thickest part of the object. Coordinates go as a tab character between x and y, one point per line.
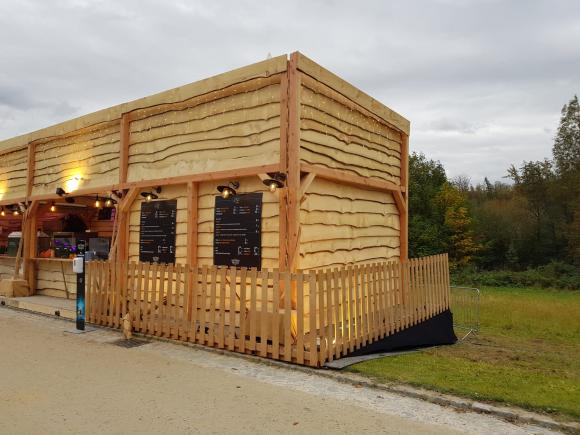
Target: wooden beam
206	176
128	200
400	202
348	178
120	246
125	134
305	183
293	163
192	220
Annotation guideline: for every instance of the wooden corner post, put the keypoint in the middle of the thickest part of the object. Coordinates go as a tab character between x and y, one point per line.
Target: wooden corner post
404	214
292	166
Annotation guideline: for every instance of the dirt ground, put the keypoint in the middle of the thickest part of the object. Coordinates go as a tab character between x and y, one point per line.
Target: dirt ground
52	381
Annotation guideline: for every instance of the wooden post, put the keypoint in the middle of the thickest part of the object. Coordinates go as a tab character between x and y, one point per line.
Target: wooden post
192	211
124	210
30	169
404	214
293	163
124	147
191	260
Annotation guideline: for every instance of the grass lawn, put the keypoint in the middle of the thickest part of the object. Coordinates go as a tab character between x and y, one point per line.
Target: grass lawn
527	354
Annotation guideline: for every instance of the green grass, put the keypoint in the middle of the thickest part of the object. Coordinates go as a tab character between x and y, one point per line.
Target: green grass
527	354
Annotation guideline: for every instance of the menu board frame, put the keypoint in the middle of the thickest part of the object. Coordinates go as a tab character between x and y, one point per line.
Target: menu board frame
157	231
238	231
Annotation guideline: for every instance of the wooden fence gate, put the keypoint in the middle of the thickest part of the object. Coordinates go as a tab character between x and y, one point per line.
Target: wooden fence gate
305	317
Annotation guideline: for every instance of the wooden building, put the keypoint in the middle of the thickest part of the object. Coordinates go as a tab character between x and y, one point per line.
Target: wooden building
341	156
281	171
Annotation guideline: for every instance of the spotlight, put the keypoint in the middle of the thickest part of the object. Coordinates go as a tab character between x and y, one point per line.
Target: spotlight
276	181
53	207
150	196
229	189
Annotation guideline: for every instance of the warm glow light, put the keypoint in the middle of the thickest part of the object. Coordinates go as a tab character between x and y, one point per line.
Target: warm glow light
98	202
109	202
53	207
273	186
15	212
2	213
226	193
148	198
73	183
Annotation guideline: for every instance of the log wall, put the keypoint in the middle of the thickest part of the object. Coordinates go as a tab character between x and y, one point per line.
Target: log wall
54	277
13	174
342	225
334	134
6	267
231	130
84	159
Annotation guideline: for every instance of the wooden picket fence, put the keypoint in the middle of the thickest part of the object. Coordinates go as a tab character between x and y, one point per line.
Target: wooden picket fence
305	317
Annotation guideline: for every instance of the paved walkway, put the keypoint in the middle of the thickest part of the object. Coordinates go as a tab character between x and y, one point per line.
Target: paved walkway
56	382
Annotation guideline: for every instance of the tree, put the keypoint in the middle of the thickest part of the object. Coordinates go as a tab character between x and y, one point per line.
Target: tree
425	227
457	223
566	148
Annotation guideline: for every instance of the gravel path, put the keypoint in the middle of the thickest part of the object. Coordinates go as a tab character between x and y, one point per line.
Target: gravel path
55	382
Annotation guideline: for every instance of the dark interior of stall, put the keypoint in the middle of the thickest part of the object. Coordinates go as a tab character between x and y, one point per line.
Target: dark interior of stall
60	226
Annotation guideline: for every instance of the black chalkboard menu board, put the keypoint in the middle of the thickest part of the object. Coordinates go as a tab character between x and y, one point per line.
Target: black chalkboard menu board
237	237
157	232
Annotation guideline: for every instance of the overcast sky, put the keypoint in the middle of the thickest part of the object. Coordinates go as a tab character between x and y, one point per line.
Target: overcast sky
482	81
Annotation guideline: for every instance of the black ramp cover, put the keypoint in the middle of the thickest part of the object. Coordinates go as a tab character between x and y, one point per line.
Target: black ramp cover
434	331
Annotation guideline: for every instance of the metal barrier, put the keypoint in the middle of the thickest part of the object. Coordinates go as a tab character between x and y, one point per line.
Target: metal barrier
465	309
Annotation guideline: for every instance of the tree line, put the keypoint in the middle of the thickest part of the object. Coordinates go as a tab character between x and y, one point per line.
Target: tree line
529	220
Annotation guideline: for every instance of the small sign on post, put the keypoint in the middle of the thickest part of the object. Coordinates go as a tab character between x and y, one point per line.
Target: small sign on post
79	269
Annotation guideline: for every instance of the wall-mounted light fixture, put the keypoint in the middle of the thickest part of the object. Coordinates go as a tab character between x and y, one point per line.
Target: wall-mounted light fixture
110	202
229	189
150	196
276	181
53	207
97	202
63	194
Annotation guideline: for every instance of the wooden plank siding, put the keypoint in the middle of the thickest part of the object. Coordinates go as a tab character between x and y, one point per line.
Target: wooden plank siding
13	174
91	155
342	224
235	130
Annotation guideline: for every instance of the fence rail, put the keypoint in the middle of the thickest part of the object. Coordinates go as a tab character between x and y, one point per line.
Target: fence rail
305	317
